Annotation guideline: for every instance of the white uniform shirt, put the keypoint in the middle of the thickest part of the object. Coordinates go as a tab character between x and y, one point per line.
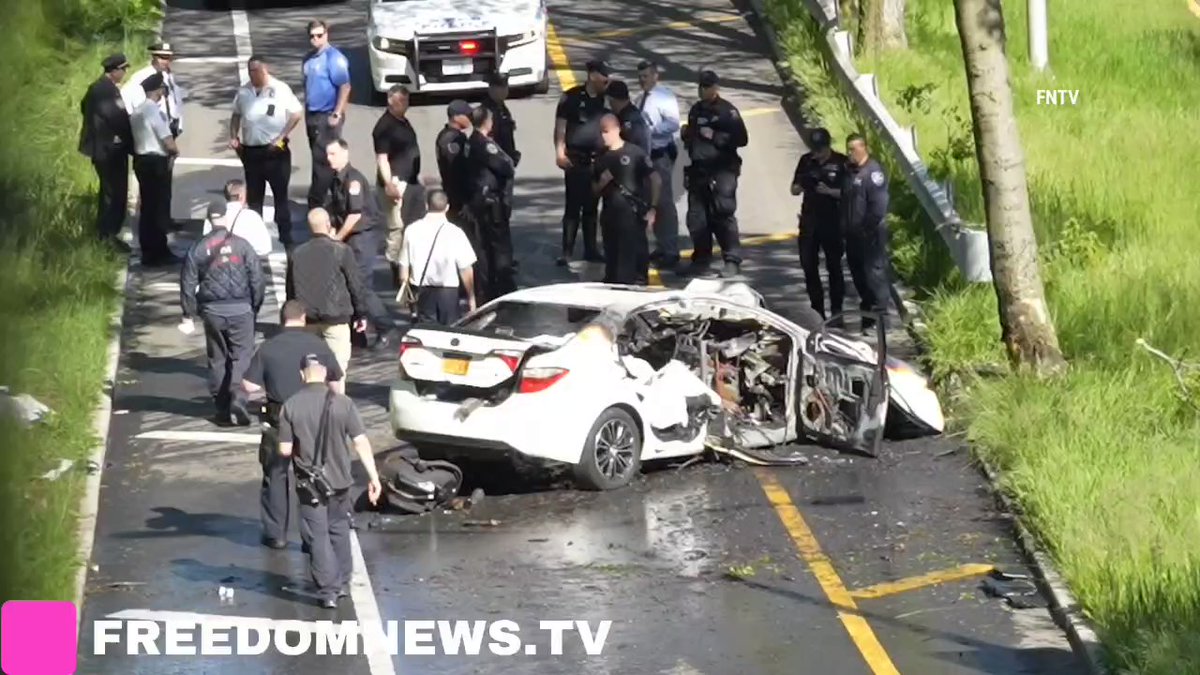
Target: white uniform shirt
171	104
660	109
150	129
246	224
452	252
264	113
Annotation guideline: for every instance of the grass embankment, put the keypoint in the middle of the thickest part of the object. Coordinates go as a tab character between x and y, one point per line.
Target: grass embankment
56	285
1105	460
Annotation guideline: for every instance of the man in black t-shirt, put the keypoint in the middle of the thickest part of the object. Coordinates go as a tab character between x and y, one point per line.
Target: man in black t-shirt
625	178
577	144
398	157
274	370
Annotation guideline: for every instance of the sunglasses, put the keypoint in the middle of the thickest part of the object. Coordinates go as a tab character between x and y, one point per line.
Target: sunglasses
314	36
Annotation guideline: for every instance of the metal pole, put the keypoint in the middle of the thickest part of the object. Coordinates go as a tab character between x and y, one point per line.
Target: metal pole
1038	35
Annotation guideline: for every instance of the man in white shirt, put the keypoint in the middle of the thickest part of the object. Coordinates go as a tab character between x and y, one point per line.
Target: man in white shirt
242	221
265	111
660	108
171	103
153	148
436	258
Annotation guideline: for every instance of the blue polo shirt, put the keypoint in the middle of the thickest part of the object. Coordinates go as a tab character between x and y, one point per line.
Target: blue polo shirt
324	72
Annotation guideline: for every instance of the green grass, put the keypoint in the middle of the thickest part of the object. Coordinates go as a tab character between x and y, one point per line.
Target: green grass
56	286
1105	460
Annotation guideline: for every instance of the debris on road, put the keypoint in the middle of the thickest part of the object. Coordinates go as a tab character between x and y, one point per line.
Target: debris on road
22	407
1017	589
64	465
481	523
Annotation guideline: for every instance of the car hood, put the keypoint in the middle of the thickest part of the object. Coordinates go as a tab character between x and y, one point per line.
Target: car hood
399	19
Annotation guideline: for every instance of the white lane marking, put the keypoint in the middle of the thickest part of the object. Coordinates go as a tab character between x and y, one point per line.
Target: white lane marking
209	59
241	37
379	659
199	436
207	161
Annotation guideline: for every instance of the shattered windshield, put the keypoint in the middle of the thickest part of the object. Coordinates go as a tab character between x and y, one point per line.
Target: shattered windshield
529	320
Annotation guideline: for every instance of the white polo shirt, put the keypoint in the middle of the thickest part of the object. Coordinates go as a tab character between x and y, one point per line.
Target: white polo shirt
451	252
247	224
264	113
171	104
150	129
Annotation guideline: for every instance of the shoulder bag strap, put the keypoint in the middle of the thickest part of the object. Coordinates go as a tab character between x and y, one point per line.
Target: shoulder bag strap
425	270
323	433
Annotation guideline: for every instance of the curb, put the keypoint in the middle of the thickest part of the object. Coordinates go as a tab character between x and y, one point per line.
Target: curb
1063	606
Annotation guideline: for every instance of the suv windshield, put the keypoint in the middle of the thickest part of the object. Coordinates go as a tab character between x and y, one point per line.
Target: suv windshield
528	320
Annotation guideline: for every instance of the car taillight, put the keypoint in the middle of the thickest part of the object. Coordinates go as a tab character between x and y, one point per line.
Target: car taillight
469	47
534	380
407	343
510	358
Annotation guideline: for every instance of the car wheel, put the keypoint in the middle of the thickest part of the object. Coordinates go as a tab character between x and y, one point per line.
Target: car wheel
612	454
543	87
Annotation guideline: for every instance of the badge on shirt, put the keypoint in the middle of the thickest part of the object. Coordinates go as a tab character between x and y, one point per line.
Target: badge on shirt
453	148
701	120
492	149
624	160
877	177
733	113
355	187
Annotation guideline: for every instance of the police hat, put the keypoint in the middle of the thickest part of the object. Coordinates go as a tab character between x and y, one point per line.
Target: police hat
458	107
599	66
498	79
153	83
618	90
161	49
709	79
217	209
819	139
114	62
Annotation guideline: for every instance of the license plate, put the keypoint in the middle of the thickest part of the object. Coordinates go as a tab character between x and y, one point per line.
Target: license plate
455	366
458	67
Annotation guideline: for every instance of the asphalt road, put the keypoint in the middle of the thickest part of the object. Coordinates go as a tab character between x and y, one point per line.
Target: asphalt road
704	569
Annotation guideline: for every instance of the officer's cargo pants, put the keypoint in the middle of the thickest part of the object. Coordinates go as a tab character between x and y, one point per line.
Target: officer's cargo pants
269	165
320	134
113	196
230	344
495	243
365	245
712	213
820	234
867	257
582	208
626	246
154	190
326	530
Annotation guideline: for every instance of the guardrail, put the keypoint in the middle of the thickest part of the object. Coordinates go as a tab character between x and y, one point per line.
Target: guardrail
968	246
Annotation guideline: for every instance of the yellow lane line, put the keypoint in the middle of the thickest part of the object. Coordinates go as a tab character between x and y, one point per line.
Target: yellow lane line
755	112
558	59
810	552
650	28
922	581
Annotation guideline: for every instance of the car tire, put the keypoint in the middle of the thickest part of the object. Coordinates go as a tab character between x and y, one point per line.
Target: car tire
543	87
612	453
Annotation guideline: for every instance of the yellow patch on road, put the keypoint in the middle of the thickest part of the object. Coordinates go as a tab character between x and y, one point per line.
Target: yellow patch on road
559	62
756	112
655	279
810	552
922	581
651	28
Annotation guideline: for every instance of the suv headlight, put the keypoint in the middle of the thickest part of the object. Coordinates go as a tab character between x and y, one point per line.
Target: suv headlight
391	46
520	39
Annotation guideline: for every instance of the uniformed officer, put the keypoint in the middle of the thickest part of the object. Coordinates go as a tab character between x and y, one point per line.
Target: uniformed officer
660	108
317	428
161	55
504	127
222	282
577	143
357	219
864	207
451	145
626	179
265	111
819	176
326	99
274	370
153	148
398	163
106	138
492	173
714	133
633	126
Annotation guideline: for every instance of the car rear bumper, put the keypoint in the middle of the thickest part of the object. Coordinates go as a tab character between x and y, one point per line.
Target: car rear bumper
525	65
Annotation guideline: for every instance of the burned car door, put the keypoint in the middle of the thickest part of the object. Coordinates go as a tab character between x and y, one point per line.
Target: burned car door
843	391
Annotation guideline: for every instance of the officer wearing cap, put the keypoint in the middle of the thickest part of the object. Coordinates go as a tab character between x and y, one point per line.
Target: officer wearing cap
633	126
273	369
318	429
715	131
864	207
222	283
659	105
357	220
161	55
492	173
153	149
818	176
451	148
398	168
577	143
106	138
630	187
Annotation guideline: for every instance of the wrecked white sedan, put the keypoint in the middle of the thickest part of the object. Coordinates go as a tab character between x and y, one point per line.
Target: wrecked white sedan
605	377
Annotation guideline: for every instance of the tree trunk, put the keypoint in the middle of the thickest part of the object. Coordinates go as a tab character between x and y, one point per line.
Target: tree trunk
880	25
893	33
1027	329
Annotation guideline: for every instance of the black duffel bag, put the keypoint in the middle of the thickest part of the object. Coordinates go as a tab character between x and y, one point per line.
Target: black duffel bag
413	485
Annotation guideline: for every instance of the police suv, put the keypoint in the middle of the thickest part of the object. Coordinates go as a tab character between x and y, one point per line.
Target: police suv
452	46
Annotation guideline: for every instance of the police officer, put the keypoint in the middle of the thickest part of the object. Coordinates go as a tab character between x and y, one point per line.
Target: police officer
357	219
451	145
714	133
398	163
153	148
626	179
326	98
633	126
222	282
819	176
317	428
161	55
273	369
492	173
864	207
504	127
660	107
577	144
265	111
106	138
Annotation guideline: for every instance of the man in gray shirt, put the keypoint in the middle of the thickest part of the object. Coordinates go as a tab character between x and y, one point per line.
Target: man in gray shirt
326	519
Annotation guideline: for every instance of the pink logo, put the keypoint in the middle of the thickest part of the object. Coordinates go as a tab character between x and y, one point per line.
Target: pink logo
39	638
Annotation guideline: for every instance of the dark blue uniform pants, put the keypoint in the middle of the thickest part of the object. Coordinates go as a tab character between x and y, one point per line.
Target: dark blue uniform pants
438	304
495	252
154	187
320	134
113	197
867	256
263	165
821	235
230	345
365	245
582	208
626	246
326	530
712	209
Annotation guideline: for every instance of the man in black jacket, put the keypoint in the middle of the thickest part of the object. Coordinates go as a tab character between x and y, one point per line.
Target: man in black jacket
106	138
323	274
222	282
